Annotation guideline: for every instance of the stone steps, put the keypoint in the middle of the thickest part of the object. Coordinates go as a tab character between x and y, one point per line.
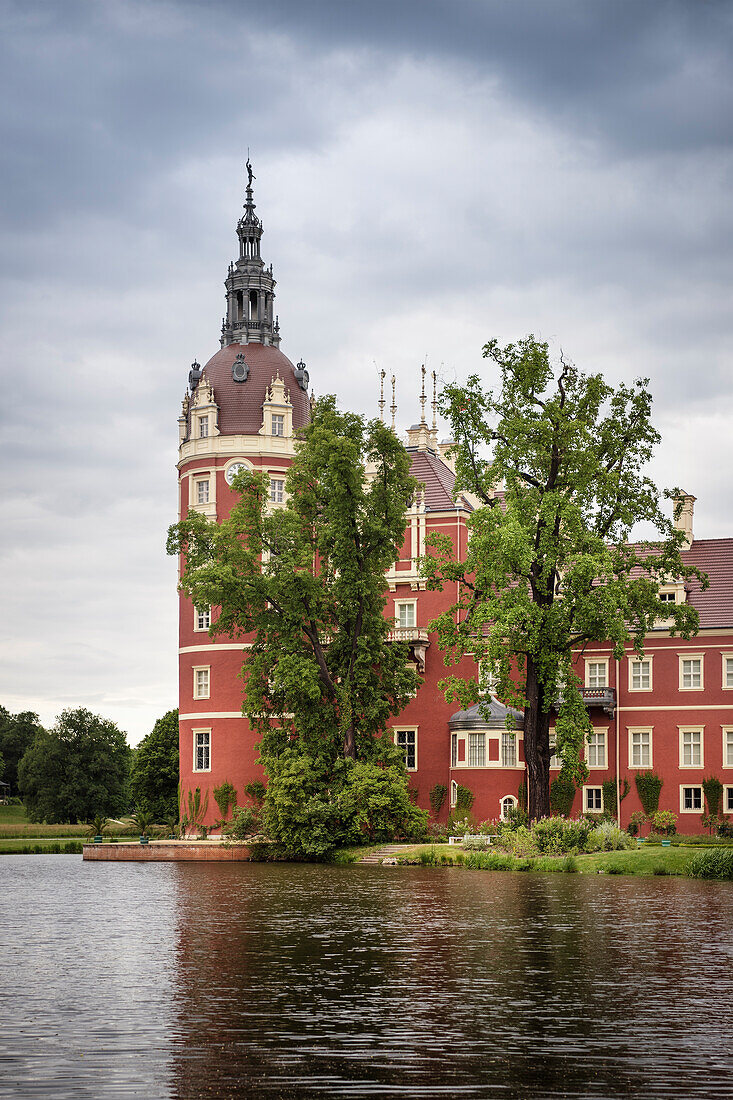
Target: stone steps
387	852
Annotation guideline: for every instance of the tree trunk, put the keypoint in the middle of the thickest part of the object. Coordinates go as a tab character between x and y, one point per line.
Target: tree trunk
350	741
537	745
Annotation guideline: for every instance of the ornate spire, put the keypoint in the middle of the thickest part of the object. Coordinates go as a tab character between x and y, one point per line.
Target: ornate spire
250	287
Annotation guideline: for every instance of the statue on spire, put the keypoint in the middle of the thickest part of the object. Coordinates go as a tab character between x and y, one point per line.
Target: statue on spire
250	174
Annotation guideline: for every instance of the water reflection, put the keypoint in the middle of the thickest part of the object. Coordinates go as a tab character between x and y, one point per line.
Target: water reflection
181	982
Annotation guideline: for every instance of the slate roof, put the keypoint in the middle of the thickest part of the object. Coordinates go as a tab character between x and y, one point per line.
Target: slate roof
438	479
495	719
240	403
715	604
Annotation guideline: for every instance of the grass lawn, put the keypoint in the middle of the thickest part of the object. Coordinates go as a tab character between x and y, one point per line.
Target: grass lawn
12	815
32	845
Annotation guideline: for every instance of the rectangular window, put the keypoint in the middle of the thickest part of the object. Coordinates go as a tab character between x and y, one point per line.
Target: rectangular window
201	683
640	742
667	597
691	744
453	750
407	741
596	753
593	799
203	427
476	750
690	673
278	424
728	672
641	675
405	615
202	491
728	748
596	674
691	799
202	750
508	750
202	617
728	800
277	490
555	761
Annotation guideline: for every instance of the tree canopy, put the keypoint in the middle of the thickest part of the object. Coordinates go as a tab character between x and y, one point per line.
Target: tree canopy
154	771
550	563
16	734
75	771
305	582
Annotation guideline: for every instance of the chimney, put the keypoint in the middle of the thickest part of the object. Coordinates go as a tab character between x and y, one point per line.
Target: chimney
684	510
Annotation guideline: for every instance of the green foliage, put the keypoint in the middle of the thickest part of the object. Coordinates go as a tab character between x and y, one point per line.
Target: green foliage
713	789
562	795
17	732
714	863
255	792
141	821
437	798
636	821
193	810
154	772
225	796
98	825
609	793
464	801
244	824
607	837
554	566
555	835
664	822
315	608
76	770
649	787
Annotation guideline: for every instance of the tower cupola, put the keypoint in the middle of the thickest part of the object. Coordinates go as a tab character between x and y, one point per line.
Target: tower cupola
250	286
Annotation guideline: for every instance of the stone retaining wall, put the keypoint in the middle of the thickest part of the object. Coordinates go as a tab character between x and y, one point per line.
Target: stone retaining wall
167	851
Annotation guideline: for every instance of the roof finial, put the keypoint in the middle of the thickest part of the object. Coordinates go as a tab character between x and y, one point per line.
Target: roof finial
422	395
250	174
435	401
393	406
382	376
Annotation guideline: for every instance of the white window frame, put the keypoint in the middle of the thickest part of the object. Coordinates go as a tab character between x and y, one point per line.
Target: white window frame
592	809
280	418
453	792
601	661
198	491
509	739
638	730
277	479
553	755
727	797
641	661
727	756
406	604
506	798
726	657
601	743
196	693
479	737
696	809
198	613
196	734
692	657
203	432
406	729
689	730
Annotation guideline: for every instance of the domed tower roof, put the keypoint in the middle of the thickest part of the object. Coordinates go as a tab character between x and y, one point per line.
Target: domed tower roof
241	376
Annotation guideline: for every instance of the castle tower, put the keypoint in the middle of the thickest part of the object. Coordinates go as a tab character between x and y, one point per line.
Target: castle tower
242	408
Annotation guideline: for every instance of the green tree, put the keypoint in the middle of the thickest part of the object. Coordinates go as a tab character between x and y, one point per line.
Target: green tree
76	770
16	734
306	583
554	567
154	771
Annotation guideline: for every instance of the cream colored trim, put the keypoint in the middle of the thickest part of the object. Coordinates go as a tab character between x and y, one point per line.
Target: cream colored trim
208	715
691	657
237	447
727	798
453	792
684	706
405	603
490	765
727	760
407	729
214	645
200	629
203	694
635	659
725	657
640	729
596	661
515	803
592	809
194	732
603	734
705	632
691	729
701	808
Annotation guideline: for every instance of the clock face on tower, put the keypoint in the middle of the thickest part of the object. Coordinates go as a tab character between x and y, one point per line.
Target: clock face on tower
233	470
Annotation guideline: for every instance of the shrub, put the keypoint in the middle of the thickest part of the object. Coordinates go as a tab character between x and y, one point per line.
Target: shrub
244	823
557	835
664	822
437	798
649	787
519	841
654	840
607	837
636	821
715	863
562	795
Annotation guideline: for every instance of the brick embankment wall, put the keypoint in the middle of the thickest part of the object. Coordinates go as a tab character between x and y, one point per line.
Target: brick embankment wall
166	852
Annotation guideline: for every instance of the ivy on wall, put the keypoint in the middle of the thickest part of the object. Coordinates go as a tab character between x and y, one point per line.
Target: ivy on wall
649	787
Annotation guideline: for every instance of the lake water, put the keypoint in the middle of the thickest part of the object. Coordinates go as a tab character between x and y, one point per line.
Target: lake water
238	980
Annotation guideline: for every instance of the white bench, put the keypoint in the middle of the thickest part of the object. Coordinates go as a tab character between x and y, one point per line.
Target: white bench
483	837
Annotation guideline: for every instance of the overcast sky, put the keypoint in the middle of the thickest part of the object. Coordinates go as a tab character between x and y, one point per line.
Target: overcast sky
430	173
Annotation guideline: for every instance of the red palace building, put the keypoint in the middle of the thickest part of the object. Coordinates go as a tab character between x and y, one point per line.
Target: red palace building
670	712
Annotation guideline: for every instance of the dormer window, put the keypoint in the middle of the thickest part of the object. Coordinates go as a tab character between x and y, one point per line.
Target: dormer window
278	424
203	427
668	597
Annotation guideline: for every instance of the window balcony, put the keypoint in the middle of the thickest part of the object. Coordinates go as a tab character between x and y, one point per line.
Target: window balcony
603	697
418	641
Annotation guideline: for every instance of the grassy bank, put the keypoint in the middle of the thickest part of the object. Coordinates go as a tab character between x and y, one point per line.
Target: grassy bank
41	846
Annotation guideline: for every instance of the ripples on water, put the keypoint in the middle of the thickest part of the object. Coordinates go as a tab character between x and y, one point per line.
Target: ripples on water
292	981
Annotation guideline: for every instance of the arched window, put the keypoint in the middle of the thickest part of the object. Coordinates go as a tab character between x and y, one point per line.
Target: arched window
453	792
253	306
240	306
508	803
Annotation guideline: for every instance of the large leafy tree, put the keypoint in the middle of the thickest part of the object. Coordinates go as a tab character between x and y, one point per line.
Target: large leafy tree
16	734
550	564
76	770
305	583
154	770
